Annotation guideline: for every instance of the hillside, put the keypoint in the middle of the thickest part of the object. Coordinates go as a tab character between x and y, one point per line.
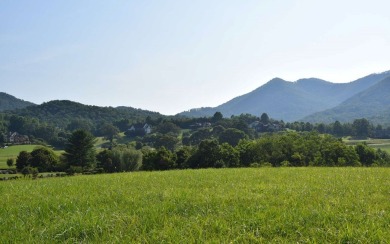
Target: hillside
372	103
8	102
61	112
291	101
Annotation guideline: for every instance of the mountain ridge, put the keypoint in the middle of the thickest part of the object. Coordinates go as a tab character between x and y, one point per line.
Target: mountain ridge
9	102
61	112
307	99
372	103
291	101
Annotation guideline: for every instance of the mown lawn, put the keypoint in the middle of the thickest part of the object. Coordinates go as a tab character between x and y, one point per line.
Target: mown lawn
383	144
316	205
384	147
12	152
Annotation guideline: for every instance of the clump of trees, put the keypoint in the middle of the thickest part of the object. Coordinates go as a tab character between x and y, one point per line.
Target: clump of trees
41	159
359	129
277	150
119	159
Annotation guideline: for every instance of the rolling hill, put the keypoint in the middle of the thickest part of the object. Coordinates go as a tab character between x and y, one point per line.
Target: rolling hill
8	102
291	101
61	112
372	103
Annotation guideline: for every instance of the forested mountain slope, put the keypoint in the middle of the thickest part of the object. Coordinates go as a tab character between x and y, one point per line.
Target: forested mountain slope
291	101
8	102
62	112
372	103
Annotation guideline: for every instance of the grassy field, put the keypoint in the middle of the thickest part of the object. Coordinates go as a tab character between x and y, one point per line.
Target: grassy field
316	205
383	144
12	152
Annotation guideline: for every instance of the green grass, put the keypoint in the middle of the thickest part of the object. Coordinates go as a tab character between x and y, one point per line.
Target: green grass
284	205
100	141
383	144
13	152
382	147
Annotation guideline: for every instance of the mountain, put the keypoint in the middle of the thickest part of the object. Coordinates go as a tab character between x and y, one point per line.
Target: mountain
61	112
291	101
8	102
372	103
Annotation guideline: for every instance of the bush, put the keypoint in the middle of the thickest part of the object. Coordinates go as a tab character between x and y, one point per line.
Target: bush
34	173
254	165
10	162
266	164
74	170
285	163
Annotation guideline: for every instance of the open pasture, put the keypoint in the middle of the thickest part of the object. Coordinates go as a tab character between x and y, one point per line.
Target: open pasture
316	205
383	144
12	152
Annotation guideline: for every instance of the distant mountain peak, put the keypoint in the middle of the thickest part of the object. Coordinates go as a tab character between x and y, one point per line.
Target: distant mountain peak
276	80
291	101
311	80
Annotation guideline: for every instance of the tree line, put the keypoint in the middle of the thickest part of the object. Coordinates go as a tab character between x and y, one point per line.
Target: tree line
283	149
52	124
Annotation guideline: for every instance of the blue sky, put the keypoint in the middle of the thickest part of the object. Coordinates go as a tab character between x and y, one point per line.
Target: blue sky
170	56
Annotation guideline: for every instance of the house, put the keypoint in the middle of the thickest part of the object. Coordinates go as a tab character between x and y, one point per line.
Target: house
259	126
16	138
200	125
140	129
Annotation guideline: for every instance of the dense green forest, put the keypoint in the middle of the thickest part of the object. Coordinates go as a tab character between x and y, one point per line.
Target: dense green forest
144	140
180	143
52	122
9	102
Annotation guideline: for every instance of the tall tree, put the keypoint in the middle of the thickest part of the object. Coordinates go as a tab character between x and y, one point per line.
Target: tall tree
168	127
361	128
10	162
104	161
264	118
80	150
207	155
22	160
217	117
182	156
109	131
231	136
44	159
337	128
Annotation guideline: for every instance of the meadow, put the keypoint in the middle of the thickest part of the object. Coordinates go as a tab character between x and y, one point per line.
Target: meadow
13	152
251	205
383	144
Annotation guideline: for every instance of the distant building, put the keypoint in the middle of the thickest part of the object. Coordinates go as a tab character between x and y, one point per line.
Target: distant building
16	138
140	129
200	125
259	126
